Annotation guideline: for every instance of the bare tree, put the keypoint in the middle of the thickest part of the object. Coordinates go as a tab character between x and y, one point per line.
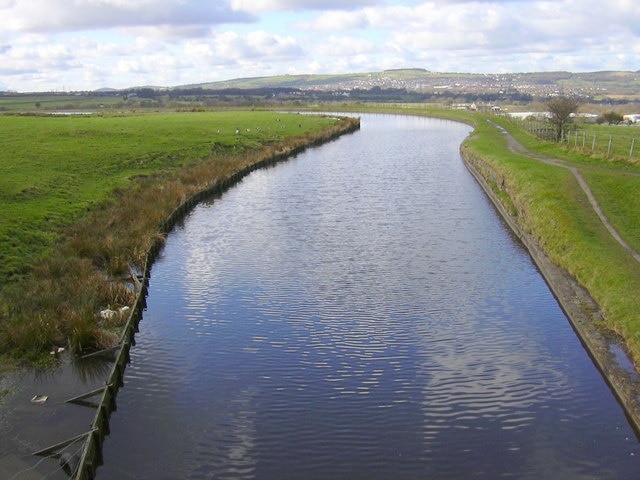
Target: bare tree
561	110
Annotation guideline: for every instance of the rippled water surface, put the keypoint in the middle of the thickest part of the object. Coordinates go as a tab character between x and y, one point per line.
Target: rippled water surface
360	312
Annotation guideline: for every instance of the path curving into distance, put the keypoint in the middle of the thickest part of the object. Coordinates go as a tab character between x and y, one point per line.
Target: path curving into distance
517	147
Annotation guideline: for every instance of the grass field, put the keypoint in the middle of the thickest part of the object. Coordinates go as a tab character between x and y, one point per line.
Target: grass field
53	168
83	197
59	102
620	141
601	141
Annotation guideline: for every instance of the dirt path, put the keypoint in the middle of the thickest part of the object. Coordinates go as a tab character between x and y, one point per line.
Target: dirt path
518	148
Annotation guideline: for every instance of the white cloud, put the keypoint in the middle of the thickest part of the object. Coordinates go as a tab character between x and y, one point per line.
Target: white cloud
166	33
74	15
300	5
268	45
33	54
336	21
230	48
344	47
85	44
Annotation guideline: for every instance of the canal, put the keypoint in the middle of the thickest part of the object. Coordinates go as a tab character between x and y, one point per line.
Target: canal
360	311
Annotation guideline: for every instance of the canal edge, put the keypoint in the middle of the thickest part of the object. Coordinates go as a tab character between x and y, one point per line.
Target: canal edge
91	455
580	308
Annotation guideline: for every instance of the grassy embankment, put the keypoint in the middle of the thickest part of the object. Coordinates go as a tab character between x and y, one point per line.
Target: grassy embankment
549	204
84	197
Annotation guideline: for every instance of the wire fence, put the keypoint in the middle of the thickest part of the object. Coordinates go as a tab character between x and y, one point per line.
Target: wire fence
603	143
620	141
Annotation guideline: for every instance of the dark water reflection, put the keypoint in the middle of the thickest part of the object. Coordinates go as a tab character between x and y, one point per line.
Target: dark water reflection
360	312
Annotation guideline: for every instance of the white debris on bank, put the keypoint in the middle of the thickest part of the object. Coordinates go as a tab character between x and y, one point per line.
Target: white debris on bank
108	314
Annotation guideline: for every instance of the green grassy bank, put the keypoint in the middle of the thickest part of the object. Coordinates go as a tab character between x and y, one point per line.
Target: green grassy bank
84	197
547	203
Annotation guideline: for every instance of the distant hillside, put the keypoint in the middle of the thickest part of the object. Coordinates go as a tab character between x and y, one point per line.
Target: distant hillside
611	84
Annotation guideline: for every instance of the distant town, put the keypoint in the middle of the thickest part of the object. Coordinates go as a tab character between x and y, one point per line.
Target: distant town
513	91
594	86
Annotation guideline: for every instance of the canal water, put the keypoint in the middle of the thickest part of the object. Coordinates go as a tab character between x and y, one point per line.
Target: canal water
360	312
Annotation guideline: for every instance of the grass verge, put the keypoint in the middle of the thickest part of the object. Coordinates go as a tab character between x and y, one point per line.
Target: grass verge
548	203
89	198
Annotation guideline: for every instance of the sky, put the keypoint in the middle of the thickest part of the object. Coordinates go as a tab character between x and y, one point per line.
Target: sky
73	45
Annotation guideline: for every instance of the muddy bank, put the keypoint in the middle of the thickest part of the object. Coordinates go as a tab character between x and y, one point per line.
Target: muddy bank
604	347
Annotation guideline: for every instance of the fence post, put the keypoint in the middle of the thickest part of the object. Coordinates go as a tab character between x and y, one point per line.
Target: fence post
633	144
610	142
593	144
